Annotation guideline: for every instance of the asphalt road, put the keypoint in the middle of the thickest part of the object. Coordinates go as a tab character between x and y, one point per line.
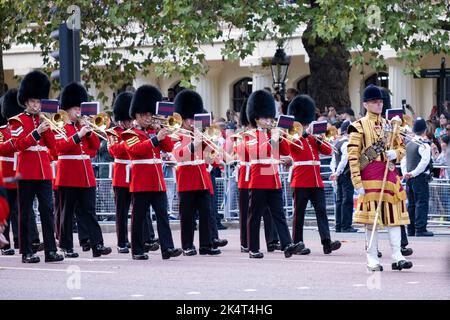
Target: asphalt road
232	275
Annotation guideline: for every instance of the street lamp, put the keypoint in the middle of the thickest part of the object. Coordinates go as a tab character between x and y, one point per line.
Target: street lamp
279	67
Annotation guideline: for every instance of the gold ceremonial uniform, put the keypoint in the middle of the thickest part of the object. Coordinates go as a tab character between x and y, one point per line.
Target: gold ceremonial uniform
363	134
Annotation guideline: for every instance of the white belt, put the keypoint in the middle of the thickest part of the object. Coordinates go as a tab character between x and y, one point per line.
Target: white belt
16	154
122	161
306	163
7	159
146	161
53	166
302	163
265	161
191	163
74	157
37	148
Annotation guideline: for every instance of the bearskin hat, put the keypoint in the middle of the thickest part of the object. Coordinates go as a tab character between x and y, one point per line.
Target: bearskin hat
144	100
35	85
372	92
72	96
261	104
121	108
10	105
303	108
188	103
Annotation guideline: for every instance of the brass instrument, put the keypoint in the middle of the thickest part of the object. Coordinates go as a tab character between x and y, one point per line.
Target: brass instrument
291	135
57	121
99	123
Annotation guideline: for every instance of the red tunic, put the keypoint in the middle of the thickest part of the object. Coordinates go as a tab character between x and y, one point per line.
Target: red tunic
144	150
117	149
74	167
192	174
264	161
33	161
8	157
306	172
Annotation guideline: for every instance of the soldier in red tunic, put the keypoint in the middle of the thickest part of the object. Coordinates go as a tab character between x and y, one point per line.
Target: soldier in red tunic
306	180
32	139
74	173
144	144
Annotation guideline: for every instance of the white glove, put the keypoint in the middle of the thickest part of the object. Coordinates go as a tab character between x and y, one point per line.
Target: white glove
391	154
360	191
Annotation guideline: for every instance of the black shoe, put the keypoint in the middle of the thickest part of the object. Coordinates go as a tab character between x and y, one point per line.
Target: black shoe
379	254
143	256
350	230
425	233
70	254
244	249
411	233
151	246
271	247
255	255
30	258
304	252
100	250
402	264
190	252
378	267
209	251
52	256
16	245
333	246
219	242
128	245
293	248
8	252
337	230
171	253
222	227
123	250
86	246
406	251
37	246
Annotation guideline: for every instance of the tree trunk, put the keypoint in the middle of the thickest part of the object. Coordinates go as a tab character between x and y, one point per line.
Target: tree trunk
330	69
2	73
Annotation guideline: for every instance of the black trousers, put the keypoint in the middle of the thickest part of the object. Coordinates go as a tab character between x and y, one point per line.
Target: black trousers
190	202
215	217
123	202
261	201
27	191
269	227
418	193
317	198
344	202
84	198
141	204
11	196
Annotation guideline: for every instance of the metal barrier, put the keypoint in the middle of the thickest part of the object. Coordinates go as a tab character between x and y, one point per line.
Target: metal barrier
228	205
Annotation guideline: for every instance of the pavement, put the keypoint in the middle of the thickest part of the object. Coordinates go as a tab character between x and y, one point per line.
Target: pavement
233	276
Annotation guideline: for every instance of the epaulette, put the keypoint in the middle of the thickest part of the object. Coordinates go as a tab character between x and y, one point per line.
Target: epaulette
112	132
355	127
17	118
130	131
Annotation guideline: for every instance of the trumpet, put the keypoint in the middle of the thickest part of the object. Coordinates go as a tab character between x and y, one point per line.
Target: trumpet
57	121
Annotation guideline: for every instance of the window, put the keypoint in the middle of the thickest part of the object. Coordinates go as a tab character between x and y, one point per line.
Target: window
379	79
302	85
241	91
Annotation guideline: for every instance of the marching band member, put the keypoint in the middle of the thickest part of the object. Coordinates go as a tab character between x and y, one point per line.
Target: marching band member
306	180
193	181
270	233
368	161
144	144
32	139
265	183
74	173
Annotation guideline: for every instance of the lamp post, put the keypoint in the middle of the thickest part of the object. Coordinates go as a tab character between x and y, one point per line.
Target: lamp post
279	67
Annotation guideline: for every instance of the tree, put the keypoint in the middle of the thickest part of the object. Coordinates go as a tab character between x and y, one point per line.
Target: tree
121	38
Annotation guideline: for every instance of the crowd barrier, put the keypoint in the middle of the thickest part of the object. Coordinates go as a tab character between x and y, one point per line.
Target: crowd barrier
227	195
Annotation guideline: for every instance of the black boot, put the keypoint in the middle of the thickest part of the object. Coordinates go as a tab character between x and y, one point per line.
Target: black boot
100	250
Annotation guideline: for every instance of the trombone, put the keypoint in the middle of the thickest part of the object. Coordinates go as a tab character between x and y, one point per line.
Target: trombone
291	135
57	122
99	123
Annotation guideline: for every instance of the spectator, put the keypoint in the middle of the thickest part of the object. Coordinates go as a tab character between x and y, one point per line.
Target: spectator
441	159
332	115
442	128
171	94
